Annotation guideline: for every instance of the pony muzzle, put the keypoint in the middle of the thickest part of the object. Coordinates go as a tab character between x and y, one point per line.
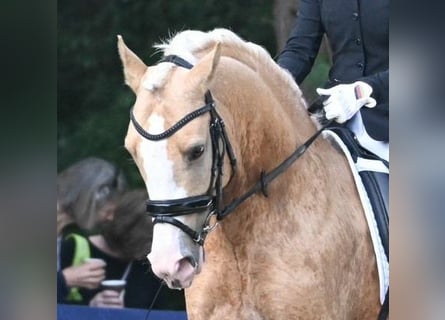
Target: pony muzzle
174	258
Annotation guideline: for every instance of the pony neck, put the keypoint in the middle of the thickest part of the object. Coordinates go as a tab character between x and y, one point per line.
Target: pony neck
265	124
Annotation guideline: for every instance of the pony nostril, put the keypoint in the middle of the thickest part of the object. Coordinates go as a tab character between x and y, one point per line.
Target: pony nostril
191	260
182	264
176	284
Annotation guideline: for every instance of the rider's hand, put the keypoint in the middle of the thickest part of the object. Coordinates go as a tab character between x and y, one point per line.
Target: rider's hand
87	275
108	299
346	99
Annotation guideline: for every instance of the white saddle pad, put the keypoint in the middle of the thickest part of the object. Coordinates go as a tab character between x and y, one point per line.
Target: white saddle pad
373	165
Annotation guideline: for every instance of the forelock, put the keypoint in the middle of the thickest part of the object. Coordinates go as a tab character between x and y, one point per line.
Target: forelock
158	76
184	45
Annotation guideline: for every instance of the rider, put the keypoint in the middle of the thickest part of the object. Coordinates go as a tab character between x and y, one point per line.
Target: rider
358	33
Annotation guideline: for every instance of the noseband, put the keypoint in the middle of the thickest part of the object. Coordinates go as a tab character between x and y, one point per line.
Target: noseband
165	211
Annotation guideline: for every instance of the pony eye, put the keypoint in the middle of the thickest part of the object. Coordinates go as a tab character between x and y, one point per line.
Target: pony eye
195	152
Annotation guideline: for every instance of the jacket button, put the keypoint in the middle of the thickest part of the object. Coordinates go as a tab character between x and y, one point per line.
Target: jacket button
358	41
360	65
355	16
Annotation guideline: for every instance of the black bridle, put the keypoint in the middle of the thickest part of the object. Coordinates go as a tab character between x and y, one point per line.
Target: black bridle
164	211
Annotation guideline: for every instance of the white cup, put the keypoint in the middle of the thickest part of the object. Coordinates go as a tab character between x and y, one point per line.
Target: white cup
116	285
96	262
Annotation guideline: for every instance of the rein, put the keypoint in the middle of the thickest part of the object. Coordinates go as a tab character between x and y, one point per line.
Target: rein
266	178
165	211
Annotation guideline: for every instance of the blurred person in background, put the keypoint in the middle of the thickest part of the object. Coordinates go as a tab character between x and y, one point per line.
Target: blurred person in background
86	196
123	243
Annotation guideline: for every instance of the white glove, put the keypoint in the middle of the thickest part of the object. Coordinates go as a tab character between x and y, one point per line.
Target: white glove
346	99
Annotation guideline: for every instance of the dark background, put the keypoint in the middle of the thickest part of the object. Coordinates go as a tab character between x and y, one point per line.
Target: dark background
92	100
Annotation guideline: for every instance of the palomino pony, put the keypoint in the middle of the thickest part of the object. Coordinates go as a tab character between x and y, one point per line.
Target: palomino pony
210	122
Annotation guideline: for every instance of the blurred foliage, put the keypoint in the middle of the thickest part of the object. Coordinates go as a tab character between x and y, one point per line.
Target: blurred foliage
93	102
316	78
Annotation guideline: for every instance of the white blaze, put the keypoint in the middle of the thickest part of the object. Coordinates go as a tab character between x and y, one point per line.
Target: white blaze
158	167
161	186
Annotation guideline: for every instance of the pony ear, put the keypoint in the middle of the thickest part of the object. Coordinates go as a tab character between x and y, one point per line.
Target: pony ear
134	68
202	73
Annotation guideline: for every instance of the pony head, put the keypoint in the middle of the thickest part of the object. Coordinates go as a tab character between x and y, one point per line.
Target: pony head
174	166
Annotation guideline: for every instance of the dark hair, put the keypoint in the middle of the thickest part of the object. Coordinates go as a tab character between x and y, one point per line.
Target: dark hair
85	187
131	230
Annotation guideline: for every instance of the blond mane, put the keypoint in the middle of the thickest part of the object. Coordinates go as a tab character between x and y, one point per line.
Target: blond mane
191	45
